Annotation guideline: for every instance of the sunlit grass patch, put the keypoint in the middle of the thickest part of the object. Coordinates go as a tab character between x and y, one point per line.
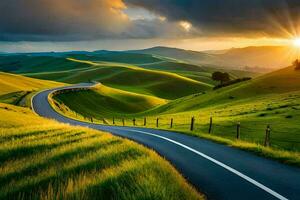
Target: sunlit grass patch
17	90
44	159
254	110
103	101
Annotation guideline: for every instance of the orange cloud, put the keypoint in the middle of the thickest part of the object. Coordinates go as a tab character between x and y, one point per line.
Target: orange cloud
57	18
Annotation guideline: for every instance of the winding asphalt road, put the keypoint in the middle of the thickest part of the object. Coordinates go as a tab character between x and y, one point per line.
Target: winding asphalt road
218	171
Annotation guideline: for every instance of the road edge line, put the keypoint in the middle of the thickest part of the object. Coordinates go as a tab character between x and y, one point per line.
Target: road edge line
228	168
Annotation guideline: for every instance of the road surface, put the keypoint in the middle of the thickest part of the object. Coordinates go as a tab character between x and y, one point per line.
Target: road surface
216	170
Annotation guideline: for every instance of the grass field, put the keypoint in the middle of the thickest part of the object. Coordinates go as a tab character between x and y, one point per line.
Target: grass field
138	86
120	57
138	73
131	78
106	101
31	64
272	99
15	89
43	159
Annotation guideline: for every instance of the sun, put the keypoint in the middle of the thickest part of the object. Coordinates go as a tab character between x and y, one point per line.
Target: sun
296	42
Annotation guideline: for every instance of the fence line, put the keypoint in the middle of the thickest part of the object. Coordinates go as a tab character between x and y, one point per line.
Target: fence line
193	124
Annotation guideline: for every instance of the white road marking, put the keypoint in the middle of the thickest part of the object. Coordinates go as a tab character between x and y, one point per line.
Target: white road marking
245	177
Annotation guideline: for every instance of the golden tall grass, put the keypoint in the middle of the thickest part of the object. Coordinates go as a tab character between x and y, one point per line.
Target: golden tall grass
44	159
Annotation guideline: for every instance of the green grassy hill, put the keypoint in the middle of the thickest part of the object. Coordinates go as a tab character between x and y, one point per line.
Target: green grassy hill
148	75
197	72
156	83
255	58
106	101
269	99
281	82
120	57
168	65
276	83
145	76
13	88
13	83
31	64
157	86
43	159
131	78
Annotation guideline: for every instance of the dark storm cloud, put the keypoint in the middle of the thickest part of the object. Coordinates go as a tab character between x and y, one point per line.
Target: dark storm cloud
271	17
70	20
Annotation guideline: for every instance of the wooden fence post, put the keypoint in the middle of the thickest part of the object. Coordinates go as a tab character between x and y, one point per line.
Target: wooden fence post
171	124
267	137
210	124
92	120
113	120
133	121
145	121
157	122
238	130
123	121
192	123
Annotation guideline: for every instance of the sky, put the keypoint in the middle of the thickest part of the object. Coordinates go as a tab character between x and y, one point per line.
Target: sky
63	25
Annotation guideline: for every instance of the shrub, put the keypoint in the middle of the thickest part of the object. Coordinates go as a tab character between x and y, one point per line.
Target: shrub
235	81
222	77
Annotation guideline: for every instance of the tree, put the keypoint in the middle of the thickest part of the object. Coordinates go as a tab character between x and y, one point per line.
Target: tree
296	64
222	77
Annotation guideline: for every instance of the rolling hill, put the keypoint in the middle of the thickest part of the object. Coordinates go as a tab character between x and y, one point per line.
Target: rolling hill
13	83
151	81
14	88
132	78
135	85
180	54
103	101
272	99
29	64
279	82
119	57
155	83
45	159
255	58
146	77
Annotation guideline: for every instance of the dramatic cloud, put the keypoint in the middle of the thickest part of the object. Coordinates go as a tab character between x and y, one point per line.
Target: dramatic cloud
61	19
71	20
234	17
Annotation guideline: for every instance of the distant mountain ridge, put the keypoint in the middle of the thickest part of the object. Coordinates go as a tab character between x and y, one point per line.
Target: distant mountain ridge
252	58
273	57
181	54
